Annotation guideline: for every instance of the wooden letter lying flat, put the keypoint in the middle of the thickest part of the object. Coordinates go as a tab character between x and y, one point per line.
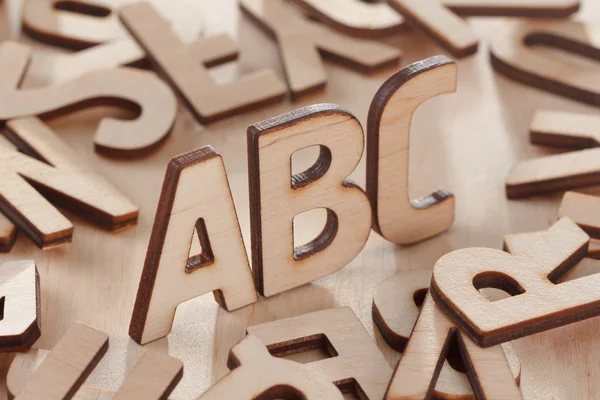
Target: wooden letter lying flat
302	42
396	217
354	17
395	311
185	67
563	129
67	366
55	171
537	303
562	171
140	91
257	375
359	18
20	305
62	27
419	368
436	17
514	54
584	210
277	196
8	234
63	370
195	196
356	364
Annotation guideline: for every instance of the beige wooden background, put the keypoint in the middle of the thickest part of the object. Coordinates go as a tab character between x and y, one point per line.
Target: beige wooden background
465	142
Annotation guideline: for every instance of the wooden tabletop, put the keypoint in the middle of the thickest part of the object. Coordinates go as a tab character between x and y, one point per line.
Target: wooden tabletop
465	142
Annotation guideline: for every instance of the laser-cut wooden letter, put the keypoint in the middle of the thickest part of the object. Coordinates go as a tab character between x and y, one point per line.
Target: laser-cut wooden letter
184	65
584	210
137	90
419	368
57	172
396	217
20	305
276	196
395	312
257	375
63	370
358	364
111	45
436	17
300	41
538	301
195	195
513	54
564	129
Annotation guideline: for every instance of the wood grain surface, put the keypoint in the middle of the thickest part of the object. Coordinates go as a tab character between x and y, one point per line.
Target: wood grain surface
466	142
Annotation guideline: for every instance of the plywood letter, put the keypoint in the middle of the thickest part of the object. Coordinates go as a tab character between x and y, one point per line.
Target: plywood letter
140	91
357	364
513	54
564	129
396	217
60	373
584	210
53	170
301	42
45	22
20	305
419	368
184	65
195	196
257	375
538	303
395	312
360	18
436	17
277	196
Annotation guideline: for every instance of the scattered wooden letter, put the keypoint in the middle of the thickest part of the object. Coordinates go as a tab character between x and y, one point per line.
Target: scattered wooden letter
45	21
140	91
354	17
195	196
396	217
562	171
277	196
564	129
537	304
185	67
436	17
8	234
584	210
302	43
19	305
60	373
513	54
419	368
51	169
395	311
257	375
67	366
356	365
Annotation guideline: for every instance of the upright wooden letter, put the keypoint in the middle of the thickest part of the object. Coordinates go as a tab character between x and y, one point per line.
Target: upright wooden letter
257	375
185	67
20	305
419	368
395	312
538	303
276	196
195	195
396	217
55	171
139	91
513	54
300	43
437	18
356	365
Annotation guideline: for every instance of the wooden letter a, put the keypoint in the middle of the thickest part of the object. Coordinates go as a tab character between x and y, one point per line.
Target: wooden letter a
195	195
